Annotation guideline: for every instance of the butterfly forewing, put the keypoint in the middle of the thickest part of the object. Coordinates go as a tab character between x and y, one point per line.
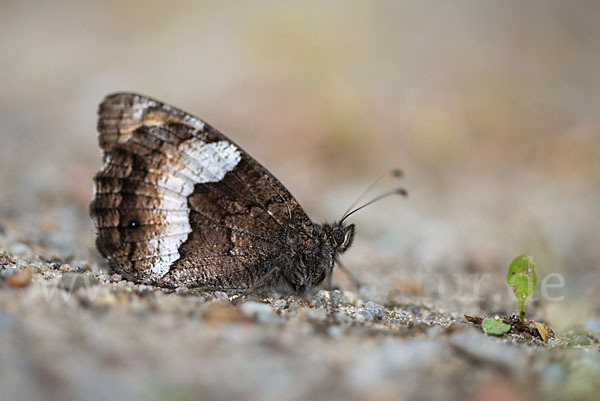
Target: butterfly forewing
177	203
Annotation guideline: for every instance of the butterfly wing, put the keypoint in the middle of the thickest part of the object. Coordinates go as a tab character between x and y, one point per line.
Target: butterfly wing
177	203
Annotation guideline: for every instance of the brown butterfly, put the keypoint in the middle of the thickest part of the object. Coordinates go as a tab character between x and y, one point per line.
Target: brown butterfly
177	203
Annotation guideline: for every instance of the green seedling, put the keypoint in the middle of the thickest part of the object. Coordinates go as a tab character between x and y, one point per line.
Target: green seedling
522	278
495	326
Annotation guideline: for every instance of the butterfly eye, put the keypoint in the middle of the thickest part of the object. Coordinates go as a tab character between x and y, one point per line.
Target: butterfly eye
338	236
133	223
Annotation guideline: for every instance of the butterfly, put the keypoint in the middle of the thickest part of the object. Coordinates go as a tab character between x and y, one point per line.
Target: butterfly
176	203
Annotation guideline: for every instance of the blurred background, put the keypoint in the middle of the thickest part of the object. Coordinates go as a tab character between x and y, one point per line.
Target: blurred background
490	108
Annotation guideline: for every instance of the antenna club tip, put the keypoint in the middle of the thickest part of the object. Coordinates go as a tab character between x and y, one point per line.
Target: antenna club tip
397	173
402	191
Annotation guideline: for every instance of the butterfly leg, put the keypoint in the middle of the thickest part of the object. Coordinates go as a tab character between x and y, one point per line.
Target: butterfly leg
262	280
353	279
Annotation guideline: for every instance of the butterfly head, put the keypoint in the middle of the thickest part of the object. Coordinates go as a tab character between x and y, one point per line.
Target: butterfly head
318	255
341	235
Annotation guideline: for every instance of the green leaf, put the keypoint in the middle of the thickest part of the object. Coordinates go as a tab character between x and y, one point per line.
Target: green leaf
495	326
522	278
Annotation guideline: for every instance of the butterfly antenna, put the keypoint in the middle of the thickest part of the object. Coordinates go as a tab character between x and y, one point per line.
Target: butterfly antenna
397	191
395	173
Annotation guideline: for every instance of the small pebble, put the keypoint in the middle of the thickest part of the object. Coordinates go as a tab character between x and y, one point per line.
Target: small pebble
417	325
20	278
375	309
221	296
367	315
73	281
263	313
350	298
280	304
65	268
337	298
320	300
108	299
218	313
293	305
413	310
399	321
6	259
181	290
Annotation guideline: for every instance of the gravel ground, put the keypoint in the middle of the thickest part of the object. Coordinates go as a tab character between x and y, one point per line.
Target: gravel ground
73	330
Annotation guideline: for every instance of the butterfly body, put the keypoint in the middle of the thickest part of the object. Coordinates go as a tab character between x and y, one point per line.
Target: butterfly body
177	203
